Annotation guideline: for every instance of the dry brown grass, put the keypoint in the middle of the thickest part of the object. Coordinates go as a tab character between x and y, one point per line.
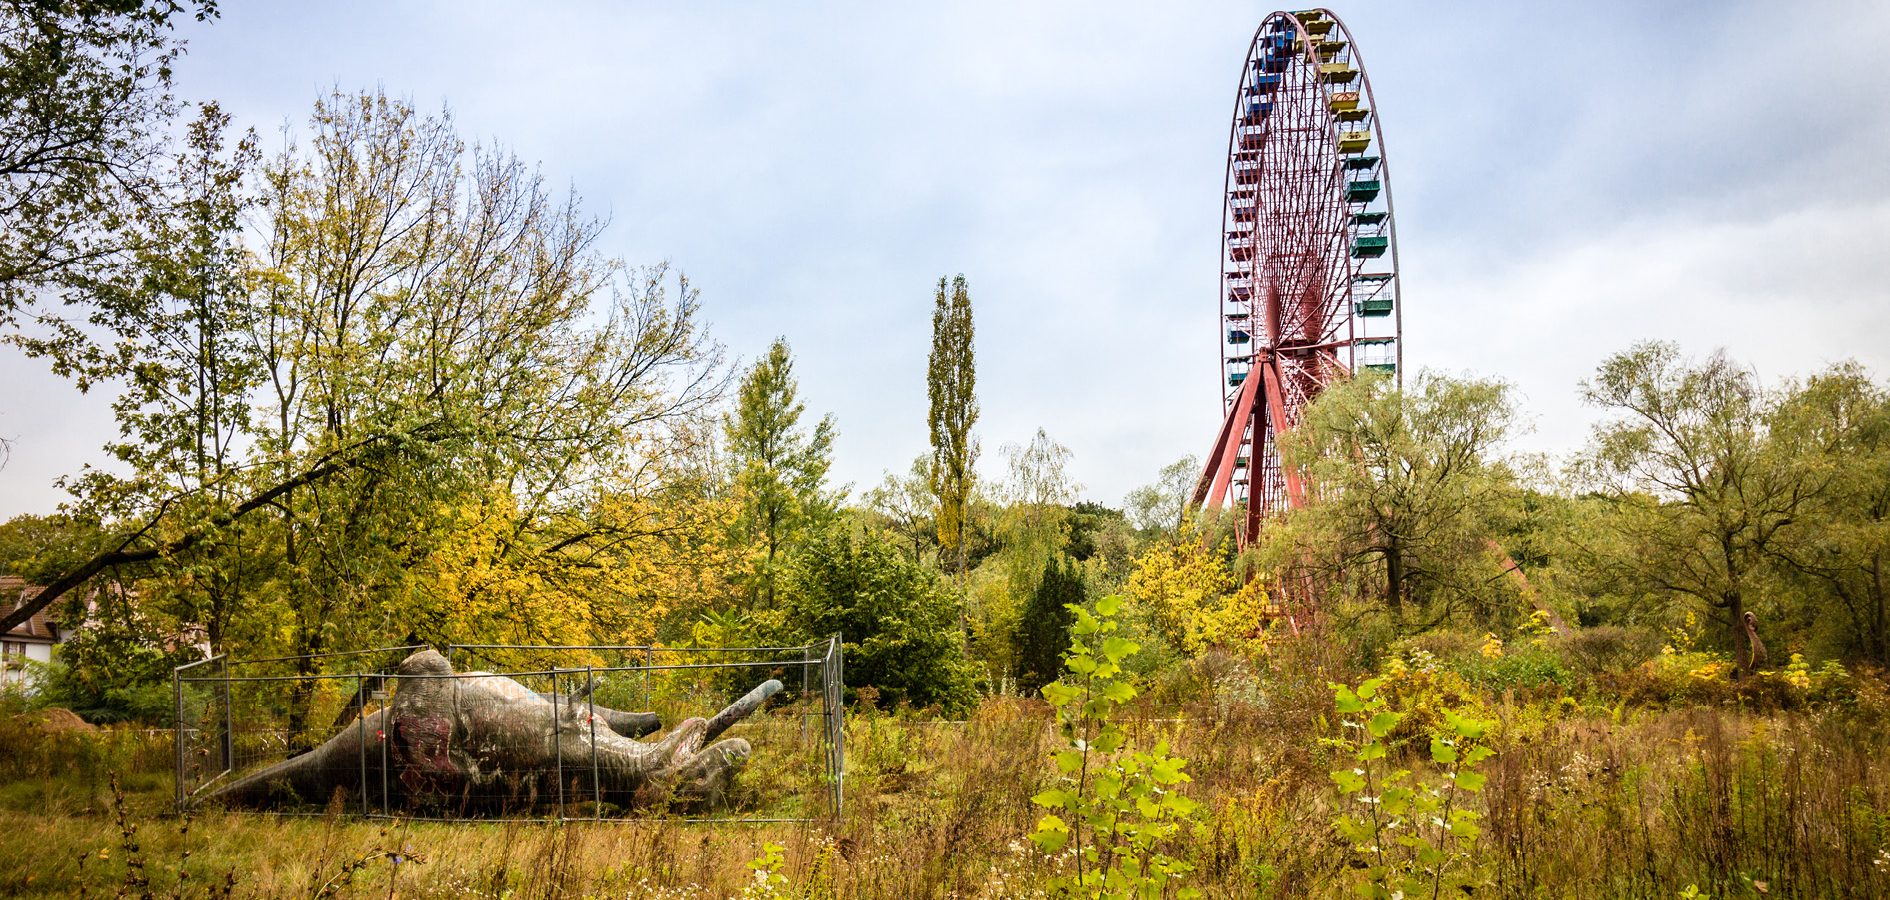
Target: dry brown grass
1580	804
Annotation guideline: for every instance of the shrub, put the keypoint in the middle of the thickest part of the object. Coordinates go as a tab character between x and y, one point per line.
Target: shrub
1592	652
897	619
1123	806
1530	669
1415	831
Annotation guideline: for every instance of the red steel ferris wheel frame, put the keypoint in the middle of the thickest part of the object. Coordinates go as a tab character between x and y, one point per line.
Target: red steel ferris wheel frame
1292	280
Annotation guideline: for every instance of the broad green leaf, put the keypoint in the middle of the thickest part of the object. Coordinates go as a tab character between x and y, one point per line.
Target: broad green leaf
1061	694
1109	606
1081	665
1466	727
1054	797
1369	687
1395	801
1117	648
1371	751
1358	831
1471	781
1179	805
1069	761
1119	692
1382	724
1476	755
1347	701
1442	751
1350	781
1051	834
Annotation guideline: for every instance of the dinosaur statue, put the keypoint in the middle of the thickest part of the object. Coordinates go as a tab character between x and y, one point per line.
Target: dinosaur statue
473	742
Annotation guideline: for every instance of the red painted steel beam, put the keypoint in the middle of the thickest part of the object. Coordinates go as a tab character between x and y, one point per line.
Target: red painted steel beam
1219	473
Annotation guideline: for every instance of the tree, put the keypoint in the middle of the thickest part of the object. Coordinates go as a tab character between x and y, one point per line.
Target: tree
1159	508
894	616
84	108
1410	483
1698	491
1043	631
1177	586
951	385
904	505
781	471
1838	424
427	325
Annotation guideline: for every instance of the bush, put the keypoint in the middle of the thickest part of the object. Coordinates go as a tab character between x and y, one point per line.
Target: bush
1604	649
1529	669
897	619
106	675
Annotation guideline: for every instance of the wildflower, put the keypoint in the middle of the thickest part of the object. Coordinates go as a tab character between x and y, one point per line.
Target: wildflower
1492	645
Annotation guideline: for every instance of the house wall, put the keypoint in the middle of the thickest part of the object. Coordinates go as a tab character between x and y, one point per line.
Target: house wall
12	672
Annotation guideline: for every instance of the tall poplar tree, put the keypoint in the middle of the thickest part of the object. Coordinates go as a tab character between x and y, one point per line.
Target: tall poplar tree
781	470
951	383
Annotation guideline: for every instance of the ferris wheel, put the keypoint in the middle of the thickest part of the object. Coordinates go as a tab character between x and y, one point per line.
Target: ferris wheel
1309	272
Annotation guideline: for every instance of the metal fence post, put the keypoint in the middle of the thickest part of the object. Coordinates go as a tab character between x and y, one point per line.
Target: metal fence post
839	725
177	731
597	787
360	690
557	743
229	722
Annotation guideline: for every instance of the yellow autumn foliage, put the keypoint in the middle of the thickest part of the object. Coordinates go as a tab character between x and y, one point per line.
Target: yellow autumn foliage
611	575
1185	592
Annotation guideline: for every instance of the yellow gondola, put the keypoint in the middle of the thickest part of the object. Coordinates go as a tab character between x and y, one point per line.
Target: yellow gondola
1343	100
1338	72
1354	141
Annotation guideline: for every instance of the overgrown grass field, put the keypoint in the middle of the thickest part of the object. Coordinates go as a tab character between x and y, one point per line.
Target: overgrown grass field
1596	789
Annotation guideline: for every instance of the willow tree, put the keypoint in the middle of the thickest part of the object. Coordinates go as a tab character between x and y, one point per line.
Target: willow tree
1411	485
1837	423
951	385
1699	492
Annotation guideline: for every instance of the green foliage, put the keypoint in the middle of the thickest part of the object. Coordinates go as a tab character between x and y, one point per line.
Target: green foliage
113	671
895	617
904	505
1413	485
951	383
1161	507
1699	492
769	881
1416	832
780	471
1838	422
1525	668
304	460
1117	811
1043	631
84	111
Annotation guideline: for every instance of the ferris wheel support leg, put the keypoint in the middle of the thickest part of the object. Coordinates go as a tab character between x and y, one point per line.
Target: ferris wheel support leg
1276	414
1211	490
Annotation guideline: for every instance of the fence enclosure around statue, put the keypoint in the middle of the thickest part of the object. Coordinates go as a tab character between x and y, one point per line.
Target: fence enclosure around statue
236	716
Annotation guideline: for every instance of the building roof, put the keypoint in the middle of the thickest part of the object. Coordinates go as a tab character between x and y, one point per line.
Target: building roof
39	627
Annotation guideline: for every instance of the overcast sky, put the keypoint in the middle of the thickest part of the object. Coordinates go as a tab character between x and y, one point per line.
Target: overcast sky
1567	181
